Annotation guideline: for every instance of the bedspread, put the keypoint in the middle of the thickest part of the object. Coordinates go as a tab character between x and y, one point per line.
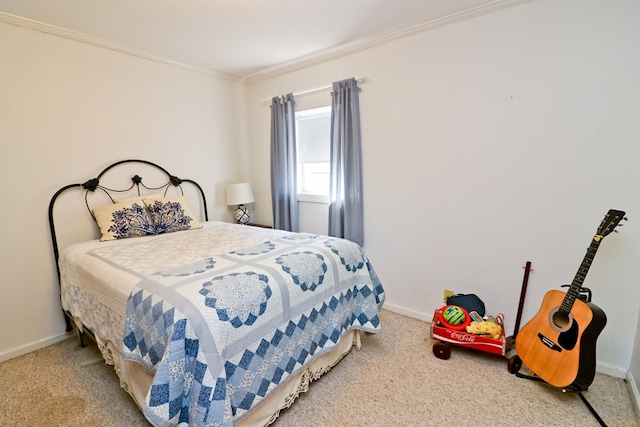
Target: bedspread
223	330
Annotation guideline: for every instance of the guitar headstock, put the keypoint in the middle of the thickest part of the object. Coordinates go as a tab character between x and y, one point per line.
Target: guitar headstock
610	222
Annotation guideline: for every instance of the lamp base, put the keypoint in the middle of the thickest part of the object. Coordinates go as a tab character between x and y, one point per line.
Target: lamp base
242	215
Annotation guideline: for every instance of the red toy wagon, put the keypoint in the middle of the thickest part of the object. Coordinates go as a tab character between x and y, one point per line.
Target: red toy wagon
461	338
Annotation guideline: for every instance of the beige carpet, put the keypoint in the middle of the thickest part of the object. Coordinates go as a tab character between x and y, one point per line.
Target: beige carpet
395	380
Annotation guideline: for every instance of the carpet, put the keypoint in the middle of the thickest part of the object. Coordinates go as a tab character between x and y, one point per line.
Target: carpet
394	380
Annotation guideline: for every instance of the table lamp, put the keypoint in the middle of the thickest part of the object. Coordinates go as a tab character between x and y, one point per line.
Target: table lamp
238	195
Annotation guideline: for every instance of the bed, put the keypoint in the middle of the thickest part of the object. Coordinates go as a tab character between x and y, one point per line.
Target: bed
207	322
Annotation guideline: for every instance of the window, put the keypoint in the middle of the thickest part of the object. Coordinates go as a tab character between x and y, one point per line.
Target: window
313	138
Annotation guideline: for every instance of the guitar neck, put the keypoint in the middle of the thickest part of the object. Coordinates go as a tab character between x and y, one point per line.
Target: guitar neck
578	280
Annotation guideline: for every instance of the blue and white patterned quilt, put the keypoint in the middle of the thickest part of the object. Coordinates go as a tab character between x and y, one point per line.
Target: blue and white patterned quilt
224	330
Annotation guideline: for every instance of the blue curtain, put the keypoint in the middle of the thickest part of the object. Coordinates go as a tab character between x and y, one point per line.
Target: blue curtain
284	194
345	204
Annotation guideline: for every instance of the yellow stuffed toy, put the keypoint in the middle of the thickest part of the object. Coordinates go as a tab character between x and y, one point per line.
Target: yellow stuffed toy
489	328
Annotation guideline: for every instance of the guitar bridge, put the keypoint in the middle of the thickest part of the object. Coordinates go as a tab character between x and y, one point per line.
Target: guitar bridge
546	341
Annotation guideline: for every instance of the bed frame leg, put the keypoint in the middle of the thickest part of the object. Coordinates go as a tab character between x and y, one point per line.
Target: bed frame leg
67	322
81	342
69	328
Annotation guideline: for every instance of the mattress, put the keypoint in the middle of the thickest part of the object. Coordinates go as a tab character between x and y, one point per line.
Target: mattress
220	318
98	277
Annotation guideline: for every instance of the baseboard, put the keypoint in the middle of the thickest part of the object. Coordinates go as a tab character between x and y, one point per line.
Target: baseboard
603	368
426	316
633	389
37	345
613	371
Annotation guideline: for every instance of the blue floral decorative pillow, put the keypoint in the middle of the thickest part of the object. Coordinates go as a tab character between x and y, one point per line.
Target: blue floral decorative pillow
144	216
120	220
170	214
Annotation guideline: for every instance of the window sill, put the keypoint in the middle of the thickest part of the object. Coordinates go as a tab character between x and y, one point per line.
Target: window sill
313	198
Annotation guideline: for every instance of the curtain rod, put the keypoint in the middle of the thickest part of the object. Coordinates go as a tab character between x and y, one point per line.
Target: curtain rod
359	79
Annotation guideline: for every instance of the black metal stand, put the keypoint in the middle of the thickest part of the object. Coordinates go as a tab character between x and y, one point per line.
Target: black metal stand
515	363
593	411
608	223
579	393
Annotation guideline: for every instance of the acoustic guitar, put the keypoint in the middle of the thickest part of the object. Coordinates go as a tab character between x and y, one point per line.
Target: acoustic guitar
559	343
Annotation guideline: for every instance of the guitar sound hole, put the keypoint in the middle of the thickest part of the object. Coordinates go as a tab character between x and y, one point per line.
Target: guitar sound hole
560	321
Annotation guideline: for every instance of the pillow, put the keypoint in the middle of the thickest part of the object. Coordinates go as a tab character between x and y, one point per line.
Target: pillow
124	219
170	214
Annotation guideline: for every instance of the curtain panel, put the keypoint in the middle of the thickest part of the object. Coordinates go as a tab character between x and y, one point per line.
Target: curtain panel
345	205
284	193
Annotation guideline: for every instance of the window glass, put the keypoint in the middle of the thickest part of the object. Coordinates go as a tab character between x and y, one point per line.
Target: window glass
313	138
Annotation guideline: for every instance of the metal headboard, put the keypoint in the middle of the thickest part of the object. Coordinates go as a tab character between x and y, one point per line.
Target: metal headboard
93	184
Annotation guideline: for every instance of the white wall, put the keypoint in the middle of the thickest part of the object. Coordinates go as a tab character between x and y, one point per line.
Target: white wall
313	217
67	110
490	142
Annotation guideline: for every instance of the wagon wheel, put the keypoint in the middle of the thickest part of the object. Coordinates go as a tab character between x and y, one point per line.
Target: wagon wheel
441	350
514	364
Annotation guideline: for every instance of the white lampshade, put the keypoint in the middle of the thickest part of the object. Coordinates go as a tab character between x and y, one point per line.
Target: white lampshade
239	194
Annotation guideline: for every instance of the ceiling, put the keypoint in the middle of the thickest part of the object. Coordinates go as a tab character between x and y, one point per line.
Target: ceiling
237	38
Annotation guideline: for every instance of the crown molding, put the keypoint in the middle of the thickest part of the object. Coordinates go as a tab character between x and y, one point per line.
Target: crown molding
107	44
280	69
364	44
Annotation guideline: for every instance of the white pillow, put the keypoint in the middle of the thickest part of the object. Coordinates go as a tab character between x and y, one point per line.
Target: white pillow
169	214
124	219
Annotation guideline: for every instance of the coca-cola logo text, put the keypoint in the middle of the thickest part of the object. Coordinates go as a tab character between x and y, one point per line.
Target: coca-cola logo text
462	337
